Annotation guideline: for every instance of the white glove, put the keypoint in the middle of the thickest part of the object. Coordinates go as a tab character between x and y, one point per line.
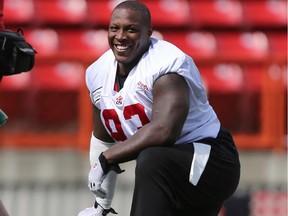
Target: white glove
95	179
98	173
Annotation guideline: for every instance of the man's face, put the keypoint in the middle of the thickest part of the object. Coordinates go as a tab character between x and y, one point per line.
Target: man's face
128	36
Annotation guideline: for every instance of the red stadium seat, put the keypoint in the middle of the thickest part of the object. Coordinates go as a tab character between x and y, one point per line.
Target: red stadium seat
86	45
60	11
59	76
239	86
18	12
216	13
99	11
13	95
244	46
164	13
230	46
16	82
265	13
56	93
222	78
200	45
252	77
44	40
221	46
278	46
233	90
167	13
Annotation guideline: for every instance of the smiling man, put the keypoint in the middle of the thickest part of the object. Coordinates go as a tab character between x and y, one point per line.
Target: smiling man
124	24
150	106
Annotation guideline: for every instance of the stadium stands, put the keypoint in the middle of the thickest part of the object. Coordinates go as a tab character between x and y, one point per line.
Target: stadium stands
44	40
240	48
266	203
238	45
15	15
216	13
60	12
265	13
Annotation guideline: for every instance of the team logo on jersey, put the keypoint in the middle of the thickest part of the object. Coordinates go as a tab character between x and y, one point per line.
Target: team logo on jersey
142	86
119	100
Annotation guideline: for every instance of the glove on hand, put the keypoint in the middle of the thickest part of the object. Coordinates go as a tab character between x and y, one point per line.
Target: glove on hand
95	179
97	174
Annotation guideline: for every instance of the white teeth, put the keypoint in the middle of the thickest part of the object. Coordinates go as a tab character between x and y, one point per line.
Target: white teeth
121	48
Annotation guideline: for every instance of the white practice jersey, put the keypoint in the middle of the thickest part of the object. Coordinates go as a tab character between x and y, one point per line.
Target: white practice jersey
126	111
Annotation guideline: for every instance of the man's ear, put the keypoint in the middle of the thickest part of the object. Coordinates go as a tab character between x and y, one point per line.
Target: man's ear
150	31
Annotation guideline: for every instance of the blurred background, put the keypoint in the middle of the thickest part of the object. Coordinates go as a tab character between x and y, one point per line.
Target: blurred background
240	47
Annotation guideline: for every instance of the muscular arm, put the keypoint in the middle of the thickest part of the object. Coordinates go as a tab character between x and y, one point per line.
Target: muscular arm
99	130
169	112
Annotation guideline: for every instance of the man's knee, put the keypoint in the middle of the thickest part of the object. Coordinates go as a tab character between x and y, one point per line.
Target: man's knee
148	161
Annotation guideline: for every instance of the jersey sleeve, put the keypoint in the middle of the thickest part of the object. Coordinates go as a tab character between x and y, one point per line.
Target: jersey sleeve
90	77
165	57
95	74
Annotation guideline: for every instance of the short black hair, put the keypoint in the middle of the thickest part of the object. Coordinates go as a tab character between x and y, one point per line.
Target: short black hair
137	6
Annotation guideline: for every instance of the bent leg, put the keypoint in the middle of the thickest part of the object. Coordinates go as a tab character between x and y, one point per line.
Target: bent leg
159	172
162	186
149	194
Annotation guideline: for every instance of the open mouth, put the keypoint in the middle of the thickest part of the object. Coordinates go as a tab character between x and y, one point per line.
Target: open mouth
121	48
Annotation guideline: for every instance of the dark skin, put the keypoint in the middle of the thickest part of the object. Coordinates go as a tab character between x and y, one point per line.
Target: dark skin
129	39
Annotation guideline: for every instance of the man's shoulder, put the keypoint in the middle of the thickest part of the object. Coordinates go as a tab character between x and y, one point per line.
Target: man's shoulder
164	50
99	68
104	58
164	46
103	61
164	55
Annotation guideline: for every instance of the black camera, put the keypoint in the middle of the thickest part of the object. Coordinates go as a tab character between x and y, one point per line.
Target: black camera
16	55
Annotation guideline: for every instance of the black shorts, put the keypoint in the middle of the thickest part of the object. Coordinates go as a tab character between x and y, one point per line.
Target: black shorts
162	185
222	172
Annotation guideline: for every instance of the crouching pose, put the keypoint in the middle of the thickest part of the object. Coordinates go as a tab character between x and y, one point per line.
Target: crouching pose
150	106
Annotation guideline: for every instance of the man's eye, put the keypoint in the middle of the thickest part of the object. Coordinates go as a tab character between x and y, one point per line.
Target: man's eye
132	30
113	28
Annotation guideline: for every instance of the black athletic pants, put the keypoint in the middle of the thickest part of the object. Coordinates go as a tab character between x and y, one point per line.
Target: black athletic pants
162	186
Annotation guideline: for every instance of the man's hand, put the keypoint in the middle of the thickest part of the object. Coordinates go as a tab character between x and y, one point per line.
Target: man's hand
98	173
95	179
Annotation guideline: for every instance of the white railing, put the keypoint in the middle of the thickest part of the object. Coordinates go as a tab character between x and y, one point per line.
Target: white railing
56	199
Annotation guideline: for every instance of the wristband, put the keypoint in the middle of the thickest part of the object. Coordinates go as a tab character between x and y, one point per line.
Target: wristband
96	144
105	211
106	167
